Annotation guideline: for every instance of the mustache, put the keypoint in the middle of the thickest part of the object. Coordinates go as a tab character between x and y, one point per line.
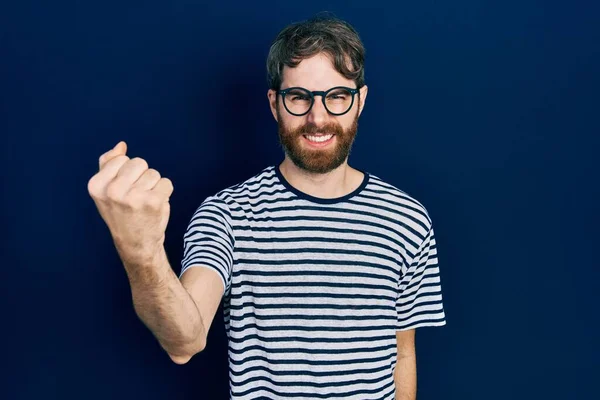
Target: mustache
330	128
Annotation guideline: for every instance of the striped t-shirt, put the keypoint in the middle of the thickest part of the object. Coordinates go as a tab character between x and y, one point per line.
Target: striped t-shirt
315	289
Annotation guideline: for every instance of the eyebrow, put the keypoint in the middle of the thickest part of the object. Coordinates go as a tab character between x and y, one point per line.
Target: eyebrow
324	90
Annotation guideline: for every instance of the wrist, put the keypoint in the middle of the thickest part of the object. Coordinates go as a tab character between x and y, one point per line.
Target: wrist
140	254
149	271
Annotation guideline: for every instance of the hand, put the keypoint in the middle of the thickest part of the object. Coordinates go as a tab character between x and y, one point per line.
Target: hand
133	200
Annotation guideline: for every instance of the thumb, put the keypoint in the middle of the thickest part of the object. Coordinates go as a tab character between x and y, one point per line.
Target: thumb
119	150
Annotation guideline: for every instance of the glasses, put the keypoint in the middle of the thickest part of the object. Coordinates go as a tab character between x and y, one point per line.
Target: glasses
299	101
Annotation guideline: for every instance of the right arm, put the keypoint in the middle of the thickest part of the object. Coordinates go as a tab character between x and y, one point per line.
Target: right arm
133	200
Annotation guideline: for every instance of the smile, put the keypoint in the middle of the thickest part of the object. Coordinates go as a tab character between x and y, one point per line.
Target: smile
319	140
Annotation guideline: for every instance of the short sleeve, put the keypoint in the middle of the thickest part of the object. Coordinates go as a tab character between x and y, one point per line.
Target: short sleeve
209	240
419	301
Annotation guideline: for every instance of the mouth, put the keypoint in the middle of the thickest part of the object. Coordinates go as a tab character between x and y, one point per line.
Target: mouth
319	140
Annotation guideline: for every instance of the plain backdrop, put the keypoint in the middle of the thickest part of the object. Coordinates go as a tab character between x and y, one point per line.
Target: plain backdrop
485	111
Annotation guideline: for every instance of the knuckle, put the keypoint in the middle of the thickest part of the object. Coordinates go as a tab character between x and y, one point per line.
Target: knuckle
168	184
153	202
152	173
114	192
92	186
115	162
134	199
139	162
140	200
156	202
118	160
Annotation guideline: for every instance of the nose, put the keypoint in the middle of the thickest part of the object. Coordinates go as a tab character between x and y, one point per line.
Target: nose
318	113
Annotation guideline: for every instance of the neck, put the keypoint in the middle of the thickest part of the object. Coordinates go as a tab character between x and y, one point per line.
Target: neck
336	183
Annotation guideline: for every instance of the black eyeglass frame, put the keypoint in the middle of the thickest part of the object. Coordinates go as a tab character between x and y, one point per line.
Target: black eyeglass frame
322	93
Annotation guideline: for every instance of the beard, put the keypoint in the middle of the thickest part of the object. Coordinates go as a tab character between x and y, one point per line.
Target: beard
317	161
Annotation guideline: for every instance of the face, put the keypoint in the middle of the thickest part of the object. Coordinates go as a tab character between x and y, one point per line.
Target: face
301	136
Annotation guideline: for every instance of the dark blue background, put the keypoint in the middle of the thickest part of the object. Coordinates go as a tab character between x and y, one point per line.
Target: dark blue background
487	112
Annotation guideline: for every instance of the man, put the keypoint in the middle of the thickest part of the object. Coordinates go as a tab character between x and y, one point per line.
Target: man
325	270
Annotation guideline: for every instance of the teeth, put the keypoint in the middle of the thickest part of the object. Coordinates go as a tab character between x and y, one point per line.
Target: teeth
319	138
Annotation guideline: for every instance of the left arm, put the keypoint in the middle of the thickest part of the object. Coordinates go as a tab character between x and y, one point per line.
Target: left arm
405	374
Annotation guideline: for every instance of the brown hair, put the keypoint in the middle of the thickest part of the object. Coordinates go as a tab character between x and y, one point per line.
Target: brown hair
323	33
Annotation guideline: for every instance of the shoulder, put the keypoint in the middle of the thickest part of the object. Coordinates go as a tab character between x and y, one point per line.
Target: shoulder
255	184
397	199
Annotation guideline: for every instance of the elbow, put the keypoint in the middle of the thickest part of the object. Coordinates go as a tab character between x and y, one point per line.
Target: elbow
179	360
185	355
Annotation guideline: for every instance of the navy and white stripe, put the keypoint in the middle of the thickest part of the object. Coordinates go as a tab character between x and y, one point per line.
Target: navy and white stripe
315	289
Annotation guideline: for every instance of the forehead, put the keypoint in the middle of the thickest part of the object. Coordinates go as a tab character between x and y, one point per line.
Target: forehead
315	73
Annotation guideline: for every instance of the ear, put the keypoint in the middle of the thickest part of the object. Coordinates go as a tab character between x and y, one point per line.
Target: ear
272	95
363	97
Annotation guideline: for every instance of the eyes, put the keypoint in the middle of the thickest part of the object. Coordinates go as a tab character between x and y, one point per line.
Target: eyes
337	100
294	96
335	95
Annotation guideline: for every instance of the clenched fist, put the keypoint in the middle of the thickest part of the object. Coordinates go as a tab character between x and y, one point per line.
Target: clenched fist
133	200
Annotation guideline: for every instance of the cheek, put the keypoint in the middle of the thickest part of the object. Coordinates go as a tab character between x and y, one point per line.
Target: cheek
350	119
346	121
290	123
282	118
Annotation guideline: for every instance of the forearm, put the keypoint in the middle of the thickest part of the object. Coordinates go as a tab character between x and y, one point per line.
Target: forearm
165	306
405	377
